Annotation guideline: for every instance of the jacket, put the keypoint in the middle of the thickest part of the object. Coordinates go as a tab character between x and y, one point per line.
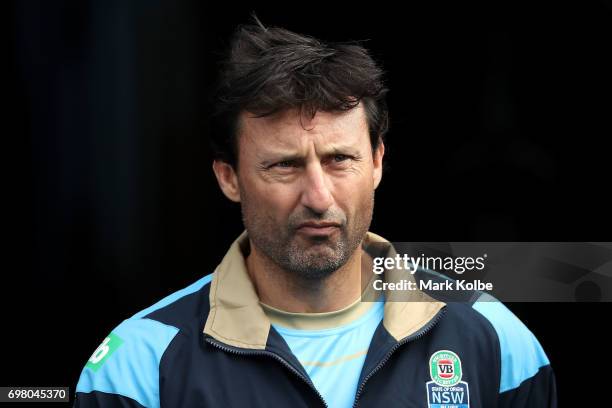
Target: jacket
211	345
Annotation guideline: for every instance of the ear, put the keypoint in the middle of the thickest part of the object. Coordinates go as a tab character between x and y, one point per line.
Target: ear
227	179
378	163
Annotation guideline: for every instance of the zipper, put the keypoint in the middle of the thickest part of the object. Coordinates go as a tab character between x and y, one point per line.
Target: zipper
275	356
434	320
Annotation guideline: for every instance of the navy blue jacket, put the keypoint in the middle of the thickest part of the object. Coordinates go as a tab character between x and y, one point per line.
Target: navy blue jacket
211	345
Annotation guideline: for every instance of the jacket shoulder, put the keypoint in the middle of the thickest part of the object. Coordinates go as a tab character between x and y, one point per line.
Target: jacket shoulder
125	366
522	355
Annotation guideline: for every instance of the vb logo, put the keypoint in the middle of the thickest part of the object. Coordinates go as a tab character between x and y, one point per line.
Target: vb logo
445	368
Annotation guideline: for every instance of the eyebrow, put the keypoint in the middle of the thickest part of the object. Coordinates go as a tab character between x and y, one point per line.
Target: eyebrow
281	156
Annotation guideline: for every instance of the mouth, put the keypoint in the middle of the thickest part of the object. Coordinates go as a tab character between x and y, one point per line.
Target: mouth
318	228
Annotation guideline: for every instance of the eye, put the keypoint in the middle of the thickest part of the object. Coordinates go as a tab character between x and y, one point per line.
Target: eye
340	158
285	164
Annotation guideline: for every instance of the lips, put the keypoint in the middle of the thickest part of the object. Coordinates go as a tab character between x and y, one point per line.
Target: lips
319	224
318	228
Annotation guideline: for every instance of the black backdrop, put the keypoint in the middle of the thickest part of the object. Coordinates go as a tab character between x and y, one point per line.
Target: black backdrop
500	127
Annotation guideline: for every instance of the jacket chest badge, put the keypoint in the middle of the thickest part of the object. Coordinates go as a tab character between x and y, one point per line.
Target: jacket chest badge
446	390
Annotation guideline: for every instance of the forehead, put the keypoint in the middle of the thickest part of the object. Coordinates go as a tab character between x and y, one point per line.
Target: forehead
289	129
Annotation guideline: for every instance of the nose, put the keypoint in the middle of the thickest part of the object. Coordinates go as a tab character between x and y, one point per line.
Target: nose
316	194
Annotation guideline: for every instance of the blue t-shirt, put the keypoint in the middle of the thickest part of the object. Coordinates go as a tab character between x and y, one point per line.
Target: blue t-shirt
332	356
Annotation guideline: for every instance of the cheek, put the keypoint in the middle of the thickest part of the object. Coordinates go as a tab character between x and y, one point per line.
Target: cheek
276	201
356	194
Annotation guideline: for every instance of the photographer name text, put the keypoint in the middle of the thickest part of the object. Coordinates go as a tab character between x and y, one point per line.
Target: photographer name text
429	285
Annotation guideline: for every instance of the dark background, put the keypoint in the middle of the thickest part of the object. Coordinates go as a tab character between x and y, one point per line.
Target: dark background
500	127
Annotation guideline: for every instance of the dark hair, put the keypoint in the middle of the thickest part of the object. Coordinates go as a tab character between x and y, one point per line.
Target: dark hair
269	70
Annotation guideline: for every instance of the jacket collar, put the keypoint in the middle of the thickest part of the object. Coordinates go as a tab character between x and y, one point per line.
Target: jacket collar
237	319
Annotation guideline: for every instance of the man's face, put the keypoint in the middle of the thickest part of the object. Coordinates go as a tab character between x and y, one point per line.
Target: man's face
306	187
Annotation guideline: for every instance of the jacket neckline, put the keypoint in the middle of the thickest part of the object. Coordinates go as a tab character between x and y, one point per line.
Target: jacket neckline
236	317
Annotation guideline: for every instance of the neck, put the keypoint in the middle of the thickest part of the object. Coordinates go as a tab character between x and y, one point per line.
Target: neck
283	290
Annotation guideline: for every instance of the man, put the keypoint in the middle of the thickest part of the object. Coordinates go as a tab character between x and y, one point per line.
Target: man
299	142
